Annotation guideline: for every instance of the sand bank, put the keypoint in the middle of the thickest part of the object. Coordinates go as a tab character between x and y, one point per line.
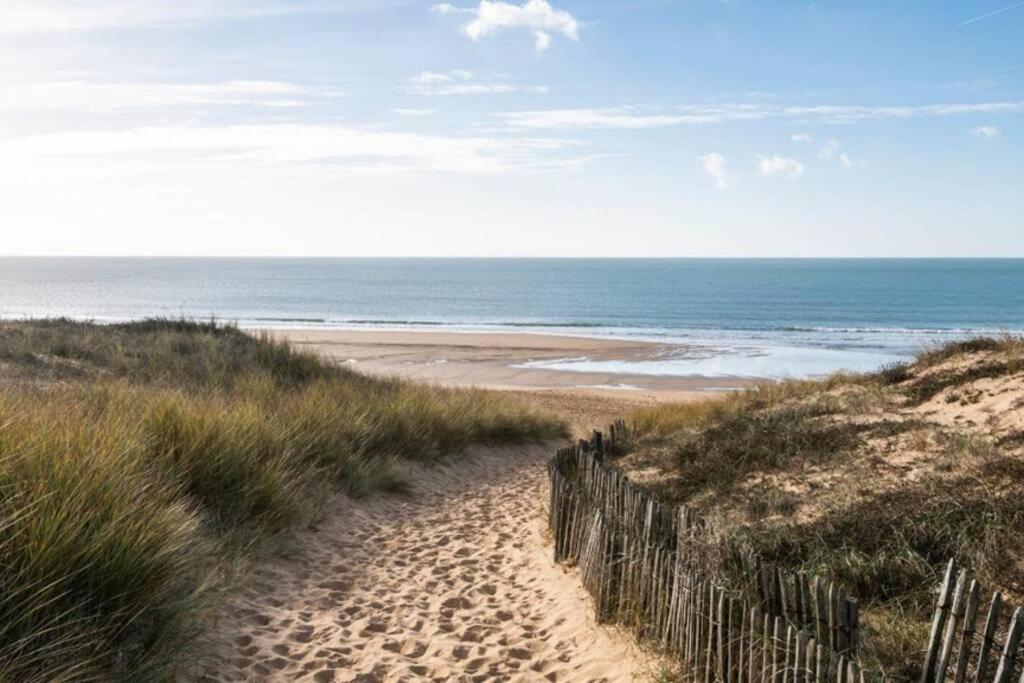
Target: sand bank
493	360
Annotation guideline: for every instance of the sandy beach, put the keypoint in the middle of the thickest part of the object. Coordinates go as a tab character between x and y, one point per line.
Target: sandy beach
495	360
454	582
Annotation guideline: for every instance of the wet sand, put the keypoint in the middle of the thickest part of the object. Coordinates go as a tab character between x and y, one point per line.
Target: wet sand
489	360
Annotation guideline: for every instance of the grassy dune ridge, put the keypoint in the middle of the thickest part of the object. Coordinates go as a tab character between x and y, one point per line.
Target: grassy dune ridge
137	459
873	480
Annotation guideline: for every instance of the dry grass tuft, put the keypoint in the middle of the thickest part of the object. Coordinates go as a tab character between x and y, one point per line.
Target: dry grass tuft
862	478
136	459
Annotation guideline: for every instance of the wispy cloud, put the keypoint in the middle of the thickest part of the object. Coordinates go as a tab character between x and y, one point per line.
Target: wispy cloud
47	16
829	149
278	148
650	117
801	137
776	165
987	15
108	97
627	117
616	117
717	167
832	150
462	82
985	132
536	16
854	113
404	111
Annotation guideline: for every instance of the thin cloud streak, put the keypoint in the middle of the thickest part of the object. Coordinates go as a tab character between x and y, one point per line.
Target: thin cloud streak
280	148
987	15
462	82
631	117
109	97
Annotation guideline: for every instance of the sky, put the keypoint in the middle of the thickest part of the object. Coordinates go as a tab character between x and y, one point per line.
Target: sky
520	128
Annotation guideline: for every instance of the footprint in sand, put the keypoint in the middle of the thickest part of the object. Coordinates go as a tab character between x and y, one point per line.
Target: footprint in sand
453	582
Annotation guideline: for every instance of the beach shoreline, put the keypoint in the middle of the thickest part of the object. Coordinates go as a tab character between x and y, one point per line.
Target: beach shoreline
509	361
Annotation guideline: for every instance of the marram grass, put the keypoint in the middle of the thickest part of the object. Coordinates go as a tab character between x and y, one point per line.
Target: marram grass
752	458
130	454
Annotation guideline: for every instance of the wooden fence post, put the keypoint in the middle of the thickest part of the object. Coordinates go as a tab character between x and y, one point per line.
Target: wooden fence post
987	640
1006	663
967	632
938	621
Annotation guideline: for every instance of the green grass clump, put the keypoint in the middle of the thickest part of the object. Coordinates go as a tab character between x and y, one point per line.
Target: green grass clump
180	353
97	552
137	460
230	457
944	352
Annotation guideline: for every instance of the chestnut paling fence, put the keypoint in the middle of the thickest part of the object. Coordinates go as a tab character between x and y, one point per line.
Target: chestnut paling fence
648	566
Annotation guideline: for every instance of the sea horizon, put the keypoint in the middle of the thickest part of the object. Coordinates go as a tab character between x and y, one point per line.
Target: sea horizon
728	317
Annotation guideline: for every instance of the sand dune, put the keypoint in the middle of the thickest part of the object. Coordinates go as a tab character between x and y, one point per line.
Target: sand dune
454	582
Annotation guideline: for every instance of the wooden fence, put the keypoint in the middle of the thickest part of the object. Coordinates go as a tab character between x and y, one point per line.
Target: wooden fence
958	650
649	567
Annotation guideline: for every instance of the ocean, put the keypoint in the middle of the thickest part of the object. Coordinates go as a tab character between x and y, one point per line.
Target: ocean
718	317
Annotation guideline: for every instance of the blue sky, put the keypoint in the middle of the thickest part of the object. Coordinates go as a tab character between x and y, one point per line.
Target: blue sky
561	128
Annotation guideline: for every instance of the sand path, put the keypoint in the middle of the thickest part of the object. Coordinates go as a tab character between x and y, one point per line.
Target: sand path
452	583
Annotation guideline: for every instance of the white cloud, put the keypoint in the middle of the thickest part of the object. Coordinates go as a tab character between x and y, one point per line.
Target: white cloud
829	149
716	166
801	137
462	82
537	16
432	78
778	165
107	97
278	148
985	132
402	111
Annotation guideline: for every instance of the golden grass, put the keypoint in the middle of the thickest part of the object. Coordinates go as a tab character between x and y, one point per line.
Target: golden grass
800	473
131	456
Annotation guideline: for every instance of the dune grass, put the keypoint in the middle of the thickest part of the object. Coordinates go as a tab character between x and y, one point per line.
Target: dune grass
799	473
132	458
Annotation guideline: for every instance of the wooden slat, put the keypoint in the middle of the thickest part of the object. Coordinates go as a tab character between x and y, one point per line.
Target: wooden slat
1006	662
988	637
955	615
967	632
938	621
